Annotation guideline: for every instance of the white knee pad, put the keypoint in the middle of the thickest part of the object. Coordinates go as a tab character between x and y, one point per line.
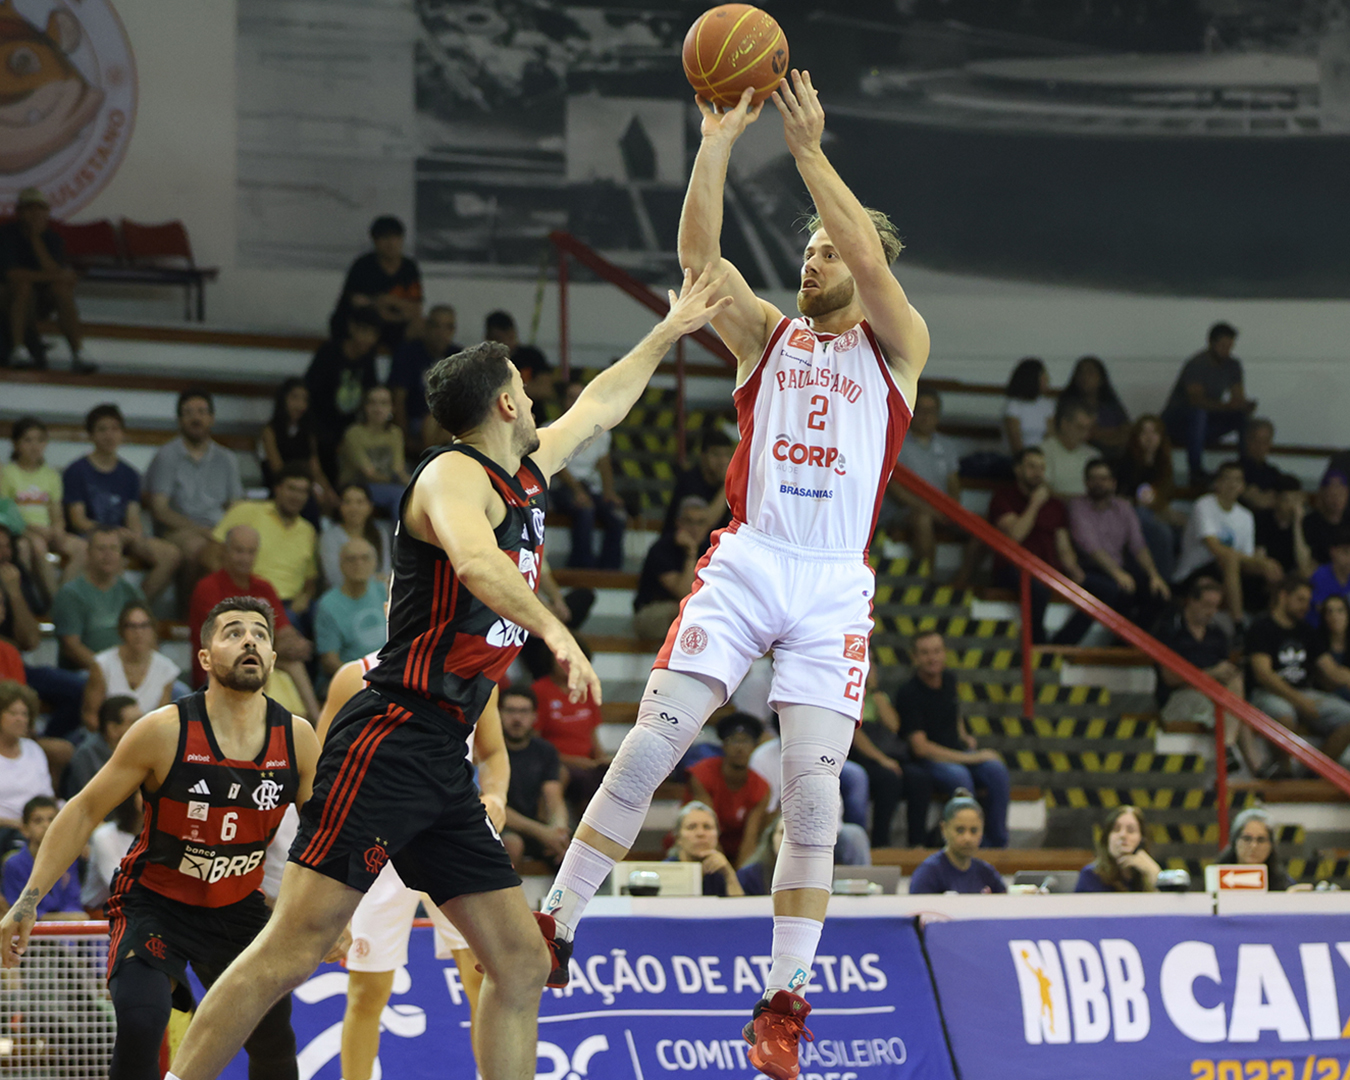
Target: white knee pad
672	712
810	814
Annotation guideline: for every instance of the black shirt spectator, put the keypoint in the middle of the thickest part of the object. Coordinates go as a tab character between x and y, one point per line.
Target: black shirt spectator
1205	652
531	768
338	377
706	478
1326	515
385	283
1293	651
1278	529
16	250
933	711
663	556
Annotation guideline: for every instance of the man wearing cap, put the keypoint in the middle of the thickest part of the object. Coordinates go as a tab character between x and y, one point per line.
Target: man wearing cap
37	282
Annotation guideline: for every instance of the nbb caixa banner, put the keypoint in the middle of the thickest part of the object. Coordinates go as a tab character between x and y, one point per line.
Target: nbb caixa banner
1204	998
655	998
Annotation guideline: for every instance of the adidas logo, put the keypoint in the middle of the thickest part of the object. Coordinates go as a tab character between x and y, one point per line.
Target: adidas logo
200	788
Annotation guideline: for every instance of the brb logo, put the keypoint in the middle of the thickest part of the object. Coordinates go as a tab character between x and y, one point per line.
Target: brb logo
575	1067
825	457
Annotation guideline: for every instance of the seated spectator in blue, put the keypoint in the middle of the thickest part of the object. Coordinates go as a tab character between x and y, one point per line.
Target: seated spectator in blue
371	452
385	284
1090	386
1208	400
1336	634
1028	406
102	489
62	902
1252	842
696	841
408	370
349	618
584	490
116	714
1123	863
1262	478
706	479
955	869
1279	530
930	716
289	436
342	370
1332	578
756	876
86	611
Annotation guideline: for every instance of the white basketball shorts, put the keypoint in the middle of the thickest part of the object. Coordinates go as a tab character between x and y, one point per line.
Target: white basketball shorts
383	922
754	593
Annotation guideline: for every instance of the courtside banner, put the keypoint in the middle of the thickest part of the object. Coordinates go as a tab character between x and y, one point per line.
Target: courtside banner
1204	998
655	997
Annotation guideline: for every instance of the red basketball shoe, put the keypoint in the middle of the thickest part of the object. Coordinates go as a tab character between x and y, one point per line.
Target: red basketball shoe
773	1034
559	951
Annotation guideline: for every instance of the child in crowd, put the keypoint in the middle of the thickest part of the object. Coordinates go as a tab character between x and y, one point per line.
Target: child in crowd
372	452
36	487
955	869
63	901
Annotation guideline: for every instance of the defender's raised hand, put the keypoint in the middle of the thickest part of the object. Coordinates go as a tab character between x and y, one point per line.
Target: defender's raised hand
803	118
728	124
699	301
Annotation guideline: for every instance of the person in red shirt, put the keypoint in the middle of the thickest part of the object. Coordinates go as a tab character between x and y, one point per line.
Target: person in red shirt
727	784
571	727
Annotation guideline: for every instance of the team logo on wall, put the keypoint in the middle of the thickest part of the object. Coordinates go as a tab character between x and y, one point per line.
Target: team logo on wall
67	99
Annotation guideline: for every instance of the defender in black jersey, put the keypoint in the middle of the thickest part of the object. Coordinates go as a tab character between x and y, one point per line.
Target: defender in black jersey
394	782
217	771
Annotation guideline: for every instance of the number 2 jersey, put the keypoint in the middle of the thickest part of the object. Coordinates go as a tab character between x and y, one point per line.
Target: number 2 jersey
208	825
821	422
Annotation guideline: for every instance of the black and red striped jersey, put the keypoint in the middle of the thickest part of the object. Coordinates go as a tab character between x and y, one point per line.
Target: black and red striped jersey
445	645
208	825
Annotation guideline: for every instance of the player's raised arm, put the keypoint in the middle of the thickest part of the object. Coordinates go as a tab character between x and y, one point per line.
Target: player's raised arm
746	325
608	397
145	752
900	329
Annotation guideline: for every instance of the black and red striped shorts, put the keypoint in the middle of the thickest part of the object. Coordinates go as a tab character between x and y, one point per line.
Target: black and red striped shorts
395	785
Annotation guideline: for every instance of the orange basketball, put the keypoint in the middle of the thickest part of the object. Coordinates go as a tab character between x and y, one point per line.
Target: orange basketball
732	47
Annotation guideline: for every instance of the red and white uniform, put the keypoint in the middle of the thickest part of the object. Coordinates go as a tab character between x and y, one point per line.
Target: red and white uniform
821	422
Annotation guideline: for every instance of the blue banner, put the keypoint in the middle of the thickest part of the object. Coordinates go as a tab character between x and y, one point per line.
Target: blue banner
652	997
1204	998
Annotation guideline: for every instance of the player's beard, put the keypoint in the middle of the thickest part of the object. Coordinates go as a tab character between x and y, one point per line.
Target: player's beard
526	435
818	302
244	679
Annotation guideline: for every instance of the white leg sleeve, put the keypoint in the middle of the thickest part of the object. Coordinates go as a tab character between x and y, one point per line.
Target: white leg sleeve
673	710
815	746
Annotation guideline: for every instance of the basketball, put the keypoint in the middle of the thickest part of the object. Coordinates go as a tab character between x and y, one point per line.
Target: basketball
732	47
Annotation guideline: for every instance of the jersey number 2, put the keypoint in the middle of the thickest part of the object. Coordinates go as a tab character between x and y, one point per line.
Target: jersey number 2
815	420
855	678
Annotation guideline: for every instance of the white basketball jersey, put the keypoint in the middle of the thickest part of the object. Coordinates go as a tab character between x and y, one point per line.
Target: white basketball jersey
821	423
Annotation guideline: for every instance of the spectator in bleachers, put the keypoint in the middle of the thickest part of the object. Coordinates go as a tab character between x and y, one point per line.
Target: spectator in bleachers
62	901
38	281
1327	514
1262	478
934	459
354	519
1279	530
706	478
349	618
584	490
108	845
1123	863
696	840
86	610
738	795
102	489
536	372
24	769
1090	385
288	544
536	812
1208	400
408	371
133	667
1027	512
1252	841
956	869
371	452
1284	656
1067	450
191	482
1332	578
668	571
1028	406
342	370
236	578
1195	634
36	489
289	436
573	728
1335	619
1220	542
385	284
114	717
1144	476
1117	562
756	876
892	776
930	717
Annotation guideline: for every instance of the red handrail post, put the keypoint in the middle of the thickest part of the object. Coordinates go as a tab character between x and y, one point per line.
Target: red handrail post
1221	774
564	353
1028	679
681	438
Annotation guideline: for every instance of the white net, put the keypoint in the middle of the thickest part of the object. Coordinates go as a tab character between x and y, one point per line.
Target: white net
56	1018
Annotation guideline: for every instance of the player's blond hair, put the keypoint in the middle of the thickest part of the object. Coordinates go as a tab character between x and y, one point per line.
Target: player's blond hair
886	231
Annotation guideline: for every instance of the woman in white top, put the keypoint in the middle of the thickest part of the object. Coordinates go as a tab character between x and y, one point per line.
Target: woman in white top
23	765
354	519
1028	407
135	667
107	846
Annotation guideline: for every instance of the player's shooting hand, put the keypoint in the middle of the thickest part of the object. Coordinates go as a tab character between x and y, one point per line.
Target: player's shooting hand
340	947
582	681
698	303
803	118
728	124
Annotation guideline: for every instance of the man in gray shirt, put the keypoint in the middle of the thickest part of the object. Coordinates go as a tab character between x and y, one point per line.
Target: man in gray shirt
115	717
934	459
192	481
1208	400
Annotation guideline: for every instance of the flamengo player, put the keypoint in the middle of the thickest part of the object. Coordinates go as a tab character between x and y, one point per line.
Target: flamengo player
217	769
823	402
394	783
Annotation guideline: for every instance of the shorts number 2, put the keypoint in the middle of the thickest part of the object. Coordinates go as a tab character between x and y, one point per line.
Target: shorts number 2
855	678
